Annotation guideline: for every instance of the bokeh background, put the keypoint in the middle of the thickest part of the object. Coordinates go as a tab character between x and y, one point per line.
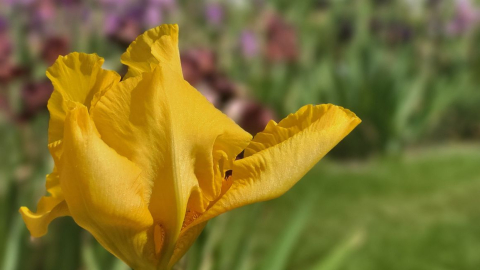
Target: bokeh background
401	192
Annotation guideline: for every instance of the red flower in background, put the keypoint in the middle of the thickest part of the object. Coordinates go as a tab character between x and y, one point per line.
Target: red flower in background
35	96
53	48
282	43
8	70
200	70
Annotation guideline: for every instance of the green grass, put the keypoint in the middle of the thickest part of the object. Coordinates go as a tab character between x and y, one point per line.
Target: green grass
419	211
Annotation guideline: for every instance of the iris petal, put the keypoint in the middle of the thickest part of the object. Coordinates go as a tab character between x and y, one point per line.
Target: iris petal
141	163
185	241
37	223
104	194
166	127
156	46
48	208
77	77
282	154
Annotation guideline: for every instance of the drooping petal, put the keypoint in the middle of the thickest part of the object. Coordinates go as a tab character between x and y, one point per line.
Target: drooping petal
166	127
77	77
48	208
37	223
104	193
156	46
282	154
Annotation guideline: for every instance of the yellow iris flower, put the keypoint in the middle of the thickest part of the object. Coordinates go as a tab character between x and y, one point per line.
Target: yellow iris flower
141	163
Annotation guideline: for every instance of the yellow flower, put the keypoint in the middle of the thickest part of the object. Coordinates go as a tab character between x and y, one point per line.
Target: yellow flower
141	163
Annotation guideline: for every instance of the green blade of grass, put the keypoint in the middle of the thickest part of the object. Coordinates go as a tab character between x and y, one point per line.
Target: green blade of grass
11	256
335	259
278	257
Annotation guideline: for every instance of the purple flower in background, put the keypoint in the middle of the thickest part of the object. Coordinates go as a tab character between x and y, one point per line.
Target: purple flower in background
124	28
166	4
248	44
126	19
3	25
154	11
214	13
467	16
153	16
110	23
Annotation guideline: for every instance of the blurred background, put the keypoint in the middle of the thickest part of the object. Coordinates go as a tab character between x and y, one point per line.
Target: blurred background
400	192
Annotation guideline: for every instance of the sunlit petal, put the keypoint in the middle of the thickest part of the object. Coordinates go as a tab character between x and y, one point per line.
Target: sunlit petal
282	154
166	127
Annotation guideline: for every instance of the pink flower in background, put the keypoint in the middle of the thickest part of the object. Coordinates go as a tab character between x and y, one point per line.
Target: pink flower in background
467	15
214	13
249	44
45	10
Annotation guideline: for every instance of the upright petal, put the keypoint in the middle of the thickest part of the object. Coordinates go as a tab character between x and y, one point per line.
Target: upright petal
77	77
165	126
282	154
158	45
104	193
